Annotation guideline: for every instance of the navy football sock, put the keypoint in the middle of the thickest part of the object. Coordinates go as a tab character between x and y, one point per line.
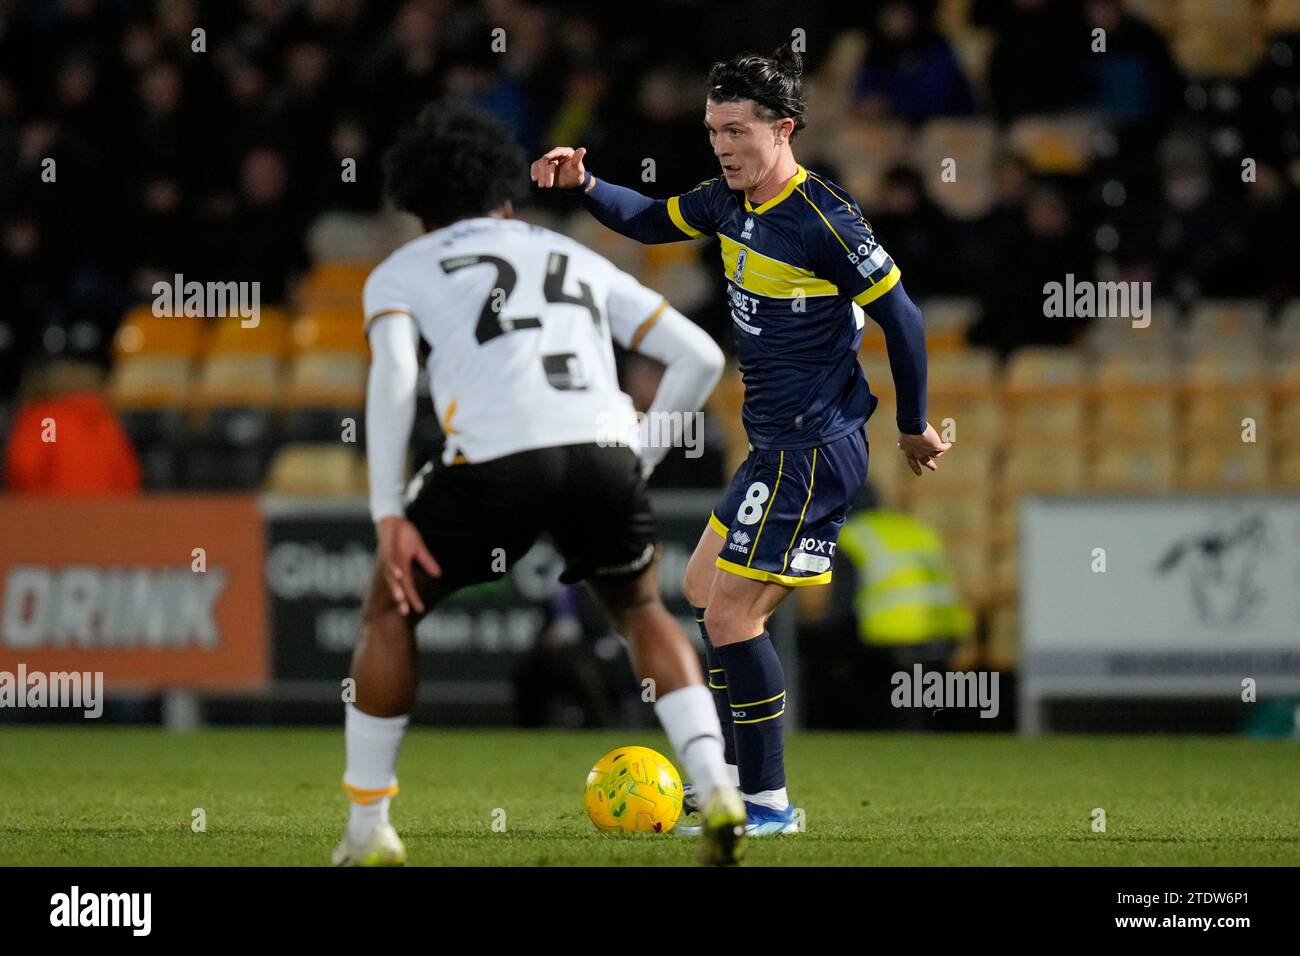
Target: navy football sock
717	684
756	689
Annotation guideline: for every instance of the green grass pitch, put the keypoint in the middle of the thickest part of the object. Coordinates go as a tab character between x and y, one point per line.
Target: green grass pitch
113	796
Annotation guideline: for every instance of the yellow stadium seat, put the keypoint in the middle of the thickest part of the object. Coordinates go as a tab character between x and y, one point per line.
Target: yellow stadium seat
1226	467
1286	471
1040	370
1226	324
337	330
1004	521
333	283
1004	576
1212	371
230	336
1286	398
724	405
863	150
1219	38
150	381
1158	337
886	470
313	469
1003	651
946	322
960	518
1134	398
1134	468
972	145
326	379
237	380
969	472
1228	416
1045	394
143	333
1283	16
1053	146
1286	337
1044	468
971	564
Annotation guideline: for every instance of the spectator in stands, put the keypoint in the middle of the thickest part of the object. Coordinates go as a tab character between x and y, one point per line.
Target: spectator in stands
1039	55
1048	246
916	232
65	440
910	71
1136	82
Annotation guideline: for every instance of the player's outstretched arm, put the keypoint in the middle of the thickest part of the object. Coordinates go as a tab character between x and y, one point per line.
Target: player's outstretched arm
624	210
904	331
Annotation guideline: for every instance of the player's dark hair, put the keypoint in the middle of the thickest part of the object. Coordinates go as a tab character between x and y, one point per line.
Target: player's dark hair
453	162
774	83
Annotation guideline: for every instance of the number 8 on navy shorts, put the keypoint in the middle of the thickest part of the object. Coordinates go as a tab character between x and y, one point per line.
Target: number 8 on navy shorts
782	513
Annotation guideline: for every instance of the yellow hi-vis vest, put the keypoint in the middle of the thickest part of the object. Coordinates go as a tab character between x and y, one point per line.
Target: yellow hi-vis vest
906	593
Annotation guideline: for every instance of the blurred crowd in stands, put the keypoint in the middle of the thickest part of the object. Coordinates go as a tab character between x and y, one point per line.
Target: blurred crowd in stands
206	138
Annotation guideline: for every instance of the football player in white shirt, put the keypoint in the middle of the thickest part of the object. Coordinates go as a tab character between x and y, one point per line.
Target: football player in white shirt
540	439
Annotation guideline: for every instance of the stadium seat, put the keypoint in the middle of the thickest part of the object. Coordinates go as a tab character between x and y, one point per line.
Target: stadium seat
1045	395
1134	468
1133	398
1219	38
333	284
313	469
1159	337
724	405
862	151
1044	467
230	336
1283	16
971	564
1218	324
1286	336
143	333
1003	648
946	322
1059	145
340	329
1285	385
237	380
153	381
972	143
320	390
1286	470
960	518
1226	467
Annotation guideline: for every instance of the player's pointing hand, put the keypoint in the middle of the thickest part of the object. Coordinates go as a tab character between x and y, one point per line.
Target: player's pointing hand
921	450
560	167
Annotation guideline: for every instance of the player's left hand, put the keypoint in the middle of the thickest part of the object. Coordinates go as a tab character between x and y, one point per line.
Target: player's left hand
400	548
922	450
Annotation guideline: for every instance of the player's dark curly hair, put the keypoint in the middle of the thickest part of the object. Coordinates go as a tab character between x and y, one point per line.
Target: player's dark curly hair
454	162
774	83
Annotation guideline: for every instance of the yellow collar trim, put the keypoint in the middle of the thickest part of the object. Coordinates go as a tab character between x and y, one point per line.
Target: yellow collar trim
797	179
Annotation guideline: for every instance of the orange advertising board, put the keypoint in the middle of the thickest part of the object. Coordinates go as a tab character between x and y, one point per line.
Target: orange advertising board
154	591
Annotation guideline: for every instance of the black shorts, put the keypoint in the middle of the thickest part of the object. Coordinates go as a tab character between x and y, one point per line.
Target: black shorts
590	500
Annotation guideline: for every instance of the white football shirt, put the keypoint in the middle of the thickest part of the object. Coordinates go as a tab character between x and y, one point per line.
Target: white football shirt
519	320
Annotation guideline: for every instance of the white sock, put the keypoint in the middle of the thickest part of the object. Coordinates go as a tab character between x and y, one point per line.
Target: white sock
370	780
776	799
691	721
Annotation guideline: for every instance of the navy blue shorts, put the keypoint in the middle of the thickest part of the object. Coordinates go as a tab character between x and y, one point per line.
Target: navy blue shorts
782	513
